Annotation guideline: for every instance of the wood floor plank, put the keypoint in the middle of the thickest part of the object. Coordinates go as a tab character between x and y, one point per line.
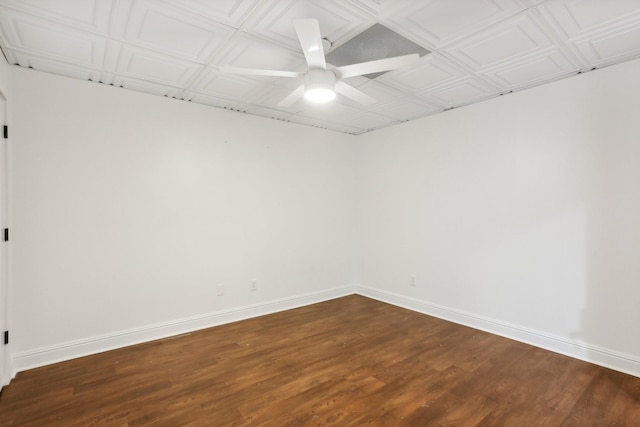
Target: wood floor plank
351	361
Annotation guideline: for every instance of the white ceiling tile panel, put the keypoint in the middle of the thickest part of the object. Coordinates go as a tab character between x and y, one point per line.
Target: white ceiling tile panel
392	102
289	83
406	108
229	12
228	86
550	65
598	32
611	47
272	96
356	80
91	15
147	65
371	7
112	54
339	113
434	70
339	20
580	17
378	90
249	51
171	31
435	23
511	40
44	39
461	93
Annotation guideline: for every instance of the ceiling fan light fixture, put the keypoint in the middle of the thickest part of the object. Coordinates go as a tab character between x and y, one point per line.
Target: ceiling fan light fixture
319	86
320	95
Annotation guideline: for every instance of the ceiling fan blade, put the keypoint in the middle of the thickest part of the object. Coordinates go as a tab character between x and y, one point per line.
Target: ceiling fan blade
353	93
292	97
377	66
308	31
259	72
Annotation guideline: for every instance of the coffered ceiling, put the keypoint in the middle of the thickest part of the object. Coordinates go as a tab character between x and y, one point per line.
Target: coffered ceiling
479	49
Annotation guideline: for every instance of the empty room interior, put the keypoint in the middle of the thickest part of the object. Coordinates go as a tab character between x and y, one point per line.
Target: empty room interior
320	213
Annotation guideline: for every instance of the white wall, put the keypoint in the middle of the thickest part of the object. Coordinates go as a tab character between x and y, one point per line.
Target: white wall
520	215
129	210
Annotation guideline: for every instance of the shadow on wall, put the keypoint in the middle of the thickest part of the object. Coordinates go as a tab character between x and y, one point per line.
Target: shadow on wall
611	314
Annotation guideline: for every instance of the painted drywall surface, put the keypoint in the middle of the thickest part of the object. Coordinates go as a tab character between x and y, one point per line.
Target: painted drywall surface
130	209
524	209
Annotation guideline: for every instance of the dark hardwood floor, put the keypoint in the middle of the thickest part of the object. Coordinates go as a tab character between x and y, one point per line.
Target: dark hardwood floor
351	361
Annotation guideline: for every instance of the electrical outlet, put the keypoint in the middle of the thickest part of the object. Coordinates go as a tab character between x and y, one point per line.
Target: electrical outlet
412	281
220	290
254	285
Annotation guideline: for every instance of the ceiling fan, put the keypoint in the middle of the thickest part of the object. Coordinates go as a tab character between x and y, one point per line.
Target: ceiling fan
322	80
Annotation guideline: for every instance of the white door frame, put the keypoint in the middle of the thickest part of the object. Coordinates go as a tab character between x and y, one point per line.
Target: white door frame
5	366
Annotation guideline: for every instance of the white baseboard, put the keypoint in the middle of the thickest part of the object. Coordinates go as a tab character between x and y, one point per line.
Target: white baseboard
578	350
8	374
84	347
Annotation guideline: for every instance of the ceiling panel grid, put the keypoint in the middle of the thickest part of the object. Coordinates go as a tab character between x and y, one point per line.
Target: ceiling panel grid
478	49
